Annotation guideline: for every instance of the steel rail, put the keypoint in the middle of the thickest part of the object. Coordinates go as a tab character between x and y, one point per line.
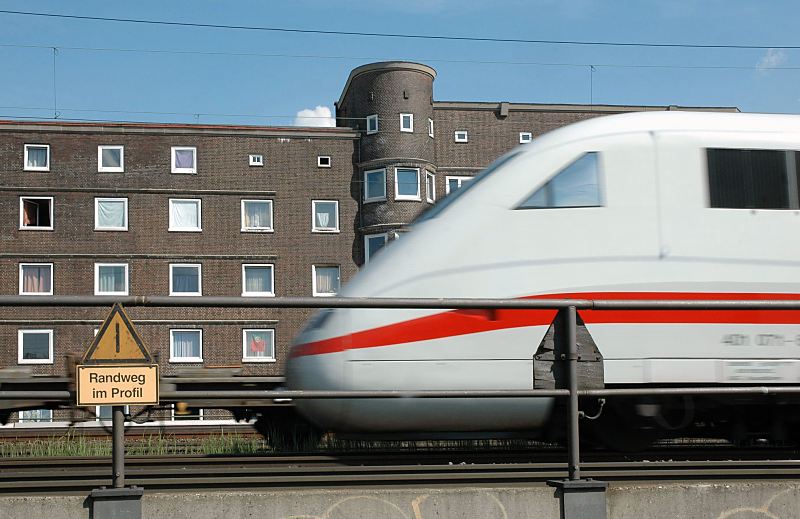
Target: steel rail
197	473
398	303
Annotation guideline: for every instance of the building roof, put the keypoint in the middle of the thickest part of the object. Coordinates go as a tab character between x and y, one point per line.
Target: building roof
384	65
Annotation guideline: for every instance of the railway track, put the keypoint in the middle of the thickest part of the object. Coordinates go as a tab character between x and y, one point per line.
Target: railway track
79	475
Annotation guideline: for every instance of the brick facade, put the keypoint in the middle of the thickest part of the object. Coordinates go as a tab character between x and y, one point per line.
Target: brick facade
290	178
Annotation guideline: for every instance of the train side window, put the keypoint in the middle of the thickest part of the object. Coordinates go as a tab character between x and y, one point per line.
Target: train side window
752	179
577	185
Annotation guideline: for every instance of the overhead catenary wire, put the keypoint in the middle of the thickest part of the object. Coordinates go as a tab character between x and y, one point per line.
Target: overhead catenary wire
398	35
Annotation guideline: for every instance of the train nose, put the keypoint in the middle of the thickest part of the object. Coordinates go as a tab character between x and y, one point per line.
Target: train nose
314	364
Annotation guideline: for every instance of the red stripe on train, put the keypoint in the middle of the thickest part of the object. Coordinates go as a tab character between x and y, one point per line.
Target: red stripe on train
464	322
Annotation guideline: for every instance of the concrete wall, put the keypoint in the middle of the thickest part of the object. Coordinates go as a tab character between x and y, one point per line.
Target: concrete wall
721	500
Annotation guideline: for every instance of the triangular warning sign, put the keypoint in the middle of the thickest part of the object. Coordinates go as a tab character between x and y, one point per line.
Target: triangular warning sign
117	342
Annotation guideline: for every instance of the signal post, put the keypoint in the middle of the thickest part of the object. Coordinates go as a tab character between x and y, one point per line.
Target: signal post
117	370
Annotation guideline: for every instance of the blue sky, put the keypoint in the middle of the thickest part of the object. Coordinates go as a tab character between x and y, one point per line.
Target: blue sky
292	72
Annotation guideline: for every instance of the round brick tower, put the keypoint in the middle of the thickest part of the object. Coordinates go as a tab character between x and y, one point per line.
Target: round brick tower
391	103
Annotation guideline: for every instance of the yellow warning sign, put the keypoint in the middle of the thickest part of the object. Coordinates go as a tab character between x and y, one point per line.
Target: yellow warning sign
117	369
117	342
117	385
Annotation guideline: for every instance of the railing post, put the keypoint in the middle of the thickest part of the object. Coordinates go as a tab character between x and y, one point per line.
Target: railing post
571	328
579	498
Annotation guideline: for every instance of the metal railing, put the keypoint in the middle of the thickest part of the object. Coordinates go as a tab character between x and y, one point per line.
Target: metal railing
567	307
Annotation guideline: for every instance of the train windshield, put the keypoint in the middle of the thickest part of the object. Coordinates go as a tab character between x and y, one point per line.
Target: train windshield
437	209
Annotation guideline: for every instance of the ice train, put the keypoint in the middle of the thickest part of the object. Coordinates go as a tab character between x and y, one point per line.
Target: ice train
667	205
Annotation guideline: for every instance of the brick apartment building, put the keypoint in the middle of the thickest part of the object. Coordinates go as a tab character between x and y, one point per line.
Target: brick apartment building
187	210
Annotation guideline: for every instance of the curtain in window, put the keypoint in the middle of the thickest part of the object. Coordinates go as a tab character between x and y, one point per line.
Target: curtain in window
186	344
36	415
185	279
112	157
184	159
111	278
327	280
258	279
259	344
35	346
36	278
37	157
325	215
256	215
184	214
111	213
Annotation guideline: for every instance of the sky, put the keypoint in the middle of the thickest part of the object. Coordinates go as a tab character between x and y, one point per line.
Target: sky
120	71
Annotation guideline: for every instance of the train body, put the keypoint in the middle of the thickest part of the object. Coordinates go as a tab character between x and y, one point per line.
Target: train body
668	205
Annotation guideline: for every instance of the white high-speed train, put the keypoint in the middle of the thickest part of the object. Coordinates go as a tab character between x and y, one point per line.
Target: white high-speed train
667	205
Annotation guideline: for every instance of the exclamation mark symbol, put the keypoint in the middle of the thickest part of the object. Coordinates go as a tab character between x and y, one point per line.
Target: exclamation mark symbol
117	330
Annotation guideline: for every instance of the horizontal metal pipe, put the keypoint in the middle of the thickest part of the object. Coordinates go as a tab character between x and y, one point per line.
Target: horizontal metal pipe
411	303
492	393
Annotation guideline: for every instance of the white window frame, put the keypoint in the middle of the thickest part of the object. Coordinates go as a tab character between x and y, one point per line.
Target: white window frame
199	204
430	194
20	418
314	227
314	280
372	118
21	285
190	171
464	138
23	227
256	160
430	127
97	290
271	228
322	159
245	358
245	293
525	137
172	343
366	243
397	195
200	415
375	198
460	178
21	334
25	166
111	169
97	226
410	128
199	279
97	418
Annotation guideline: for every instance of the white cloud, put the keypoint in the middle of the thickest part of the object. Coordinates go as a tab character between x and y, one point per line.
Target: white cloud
773	58
319	116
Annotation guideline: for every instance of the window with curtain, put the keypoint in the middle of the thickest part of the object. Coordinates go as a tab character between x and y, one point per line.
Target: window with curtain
35	415
185	280
576	185
35	346
186	345
375	185
372	244
184	159
406	184
326	215
112	279
111	213
37	157
110	158
259	345
256	215
36	278
184	215
257	280
37	212
326	280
